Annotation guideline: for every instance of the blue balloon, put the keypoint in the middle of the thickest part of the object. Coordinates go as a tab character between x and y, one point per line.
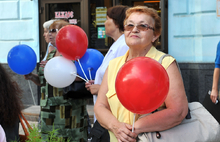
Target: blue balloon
22	59
90	62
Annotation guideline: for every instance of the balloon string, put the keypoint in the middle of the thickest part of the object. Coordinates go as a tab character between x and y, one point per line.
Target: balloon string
31	92
90	74
133	123
79	77
83	71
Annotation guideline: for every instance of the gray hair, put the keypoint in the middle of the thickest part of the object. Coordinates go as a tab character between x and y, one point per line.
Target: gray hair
47	24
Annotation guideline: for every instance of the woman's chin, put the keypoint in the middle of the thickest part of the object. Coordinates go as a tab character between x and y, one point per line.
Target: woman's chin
133	44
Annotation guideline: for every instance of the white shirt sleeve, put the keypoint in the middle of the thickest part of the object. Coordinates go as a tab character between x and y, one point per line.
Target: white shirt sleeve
2	135
118	48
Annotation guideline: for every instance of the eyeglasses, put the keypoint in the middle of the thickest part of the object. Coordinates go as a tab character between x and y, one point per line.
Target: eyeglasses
141	27
53	30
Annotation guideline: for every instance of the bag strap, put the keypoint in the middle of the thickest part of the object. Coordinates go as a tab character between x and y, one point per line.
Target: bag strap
165	55
188	116
23	125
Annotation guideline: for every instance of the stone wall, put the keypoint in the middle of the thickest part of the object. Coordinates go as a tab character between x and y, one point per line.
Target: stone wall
197	79
19	24
26	98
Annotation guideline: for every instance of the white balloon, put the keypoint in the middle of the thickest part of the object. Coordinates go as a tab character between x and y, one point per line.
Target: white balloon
60	72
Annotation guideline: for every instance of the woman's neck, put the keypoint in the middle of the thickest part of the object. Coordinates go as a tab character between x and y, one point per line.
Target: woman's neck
51	48
137	52
51	44
57	53
116	35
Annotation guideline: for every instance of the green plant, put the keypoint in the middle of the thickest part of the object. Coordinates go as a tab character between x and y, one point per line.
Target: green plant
35	136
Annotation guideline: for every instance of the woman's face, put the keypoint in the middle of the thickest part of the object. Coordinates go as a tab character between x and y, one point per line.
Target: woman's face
141	36
46	35
52	35
110	26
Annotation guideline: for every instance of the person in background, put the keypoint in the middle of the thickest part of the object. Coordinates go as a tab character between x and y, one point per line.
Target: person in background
142	28
215	93
10	105
50	47
115	29
58	111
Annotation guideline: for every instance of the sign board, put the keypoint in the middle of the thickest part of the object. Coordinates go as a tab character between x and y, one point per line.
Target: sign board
101	15
64	14
218	8
73	21
101	32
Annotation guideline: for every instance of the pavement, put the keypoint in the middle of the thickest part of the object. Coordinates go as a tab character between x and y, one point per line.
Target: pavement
31	113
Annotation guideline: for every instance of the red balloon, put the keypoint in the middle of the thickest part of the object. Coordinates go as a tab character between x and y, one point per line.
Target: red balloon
142	85
72	42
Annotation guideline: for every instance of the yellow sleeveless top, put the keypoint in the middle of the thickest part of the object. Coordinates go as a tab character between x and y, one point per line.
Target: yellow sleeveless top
117	109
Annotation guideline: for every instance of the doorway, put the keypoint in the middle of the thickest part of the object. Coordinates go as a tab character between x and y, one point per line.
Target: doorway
74	11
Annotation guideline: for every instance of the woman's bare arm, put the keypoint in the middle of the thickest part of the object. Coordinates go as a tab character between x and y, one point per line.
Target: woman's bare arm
105	117
214	93
102	108
176	106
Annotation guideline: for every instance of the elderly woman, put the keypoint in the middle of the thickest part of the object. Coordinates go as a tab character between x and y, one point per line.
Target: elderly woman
142	28
58	111
50	47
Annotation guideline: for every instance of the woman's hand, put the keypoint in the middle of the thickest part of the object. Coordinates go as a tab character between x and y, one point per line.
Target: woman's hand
43	63
88	84
28	76
94	89
33	77
122	132
214	95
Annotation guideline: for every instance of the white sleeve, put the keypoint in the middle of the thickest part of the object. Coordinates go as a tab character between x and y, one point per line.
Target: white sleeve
2	135
122	50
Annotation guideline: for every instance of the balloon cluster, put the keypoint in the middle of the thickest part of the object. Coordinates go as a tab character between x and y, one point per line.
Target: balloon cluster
142	85
72	43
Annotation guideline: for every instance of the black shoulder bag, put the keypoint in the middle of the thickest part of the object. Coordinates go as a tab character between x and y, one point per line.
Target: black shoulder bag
77	90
